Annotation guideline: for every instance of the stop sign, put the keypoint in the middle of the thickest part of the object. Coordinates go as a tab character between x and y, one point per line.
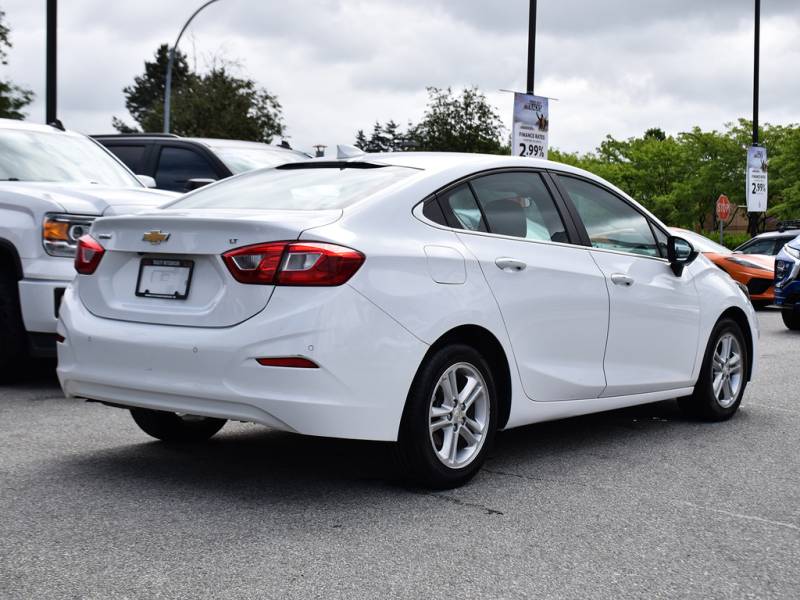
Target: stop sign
723	208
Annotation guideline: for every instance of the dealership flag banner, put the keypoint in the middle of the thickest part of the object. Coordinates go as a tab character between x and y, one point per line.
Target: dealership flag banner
531	124
756	179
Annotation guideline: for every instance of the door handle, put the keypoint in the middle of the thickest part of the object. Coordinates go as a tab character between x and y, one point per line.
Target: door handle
620	279
510	265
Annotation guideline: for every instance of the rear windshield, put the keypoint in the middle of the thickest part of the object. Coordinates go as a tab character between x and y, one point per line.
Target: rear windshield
296	189
240	159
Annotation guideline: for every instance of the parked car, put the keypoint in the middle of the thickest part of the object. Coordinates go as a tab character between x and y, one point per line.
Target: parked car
182	164
54	184
754	271
421	298
787	283
769	243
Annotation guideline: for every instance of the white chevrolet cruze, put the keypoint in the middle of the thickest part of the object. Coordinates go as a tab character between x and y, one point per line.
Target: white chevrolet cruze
424	299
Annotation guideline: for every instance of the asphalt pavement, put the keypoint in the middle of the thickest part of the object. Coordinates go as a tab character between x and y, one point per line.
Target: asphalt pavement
636	503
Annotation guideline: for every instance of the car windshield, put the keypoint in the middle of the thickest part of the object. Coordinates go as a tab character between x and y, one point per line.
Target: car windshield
240	159
701	243
315	188
27	155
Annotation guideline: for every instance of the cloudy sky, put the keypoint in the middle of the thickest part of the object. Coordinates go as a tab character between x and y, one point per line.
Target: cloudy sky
617	66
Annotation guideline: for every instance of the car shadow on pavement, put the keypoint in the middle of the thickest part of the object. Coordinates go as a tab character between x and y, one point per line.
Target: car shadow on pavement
255	462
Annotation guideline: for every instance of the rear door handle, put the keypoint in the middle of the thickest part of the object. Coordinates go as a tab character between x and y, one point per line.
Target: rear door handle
620	279
510	265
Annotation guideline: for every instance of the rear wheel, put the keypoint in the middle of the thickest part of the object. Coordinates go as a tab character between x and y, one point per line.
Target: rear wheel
13	339
723	376
450	419
791	318
174	427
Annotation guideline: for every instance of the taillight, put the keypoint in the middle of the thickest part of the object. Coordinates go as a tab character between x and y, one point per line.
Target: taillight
88	255
293	263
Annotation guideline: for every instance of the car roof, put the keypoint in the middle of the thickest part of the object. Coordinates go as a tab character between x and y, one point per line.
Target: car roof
28	126
208	142
442	161
784	233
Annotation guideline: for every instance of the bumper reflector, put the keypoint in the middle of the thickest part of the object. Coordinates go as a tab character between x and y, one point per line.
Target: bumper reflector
295	362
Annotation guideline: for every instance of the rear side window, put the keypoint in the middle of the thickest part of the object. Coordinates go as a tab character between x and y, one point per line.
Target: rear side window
313	188
461	204
519	205
611	223
176	166
131	155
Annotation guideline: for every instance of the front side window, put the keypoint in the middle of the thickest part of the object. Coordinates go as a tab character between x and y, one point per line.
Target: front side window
176	166
58	157
519	205
312	188
612	223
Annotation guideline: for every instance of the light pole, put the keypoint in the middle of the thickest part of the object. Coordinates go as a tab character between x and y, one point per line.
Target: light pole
754	217
531	45
51	55
170	60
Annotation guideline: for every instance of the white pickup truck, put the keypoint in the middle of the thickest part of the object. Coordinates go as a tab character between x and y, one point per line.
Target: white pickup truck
53	184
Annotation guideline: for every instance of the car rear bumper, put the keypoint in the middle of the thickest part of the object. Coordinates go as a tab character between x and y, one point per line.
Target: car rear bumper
366	364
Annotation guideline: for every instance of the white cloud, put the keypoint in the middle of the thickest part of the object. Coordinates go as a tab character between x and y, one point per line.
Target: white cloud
618	66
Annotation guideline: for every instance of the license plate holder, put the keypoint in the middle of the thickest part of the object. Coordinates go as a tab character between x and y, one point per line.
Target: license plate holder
166	278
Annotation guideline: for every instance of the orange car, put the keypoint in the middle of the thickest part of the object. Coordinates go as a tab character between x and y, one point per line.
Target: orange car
755	271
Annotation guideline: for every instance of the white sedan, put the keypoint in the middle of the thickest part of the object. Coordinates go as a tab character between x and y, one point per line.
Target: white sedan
424	299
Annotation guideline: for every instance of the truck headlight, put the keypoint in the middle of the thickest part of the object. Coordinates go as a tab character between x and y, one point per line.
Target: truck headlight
60	233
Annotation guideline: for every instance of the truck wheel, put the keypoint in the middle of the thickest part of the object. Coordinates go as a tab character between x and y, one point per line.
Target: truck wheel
791	318
13	349
172	427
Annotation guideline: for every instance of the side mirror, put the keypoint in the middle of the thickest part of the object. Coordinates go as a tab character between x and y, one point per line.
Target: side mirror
679	253
147	181
193	184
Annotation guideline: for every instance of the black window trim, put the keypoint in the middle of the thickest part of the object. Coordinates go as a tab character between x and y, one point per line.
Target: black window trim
584	234
562	208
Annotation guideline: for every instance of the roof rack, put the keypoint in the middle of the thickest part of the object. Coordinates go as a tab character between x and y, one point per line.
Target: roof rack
791	224
137	134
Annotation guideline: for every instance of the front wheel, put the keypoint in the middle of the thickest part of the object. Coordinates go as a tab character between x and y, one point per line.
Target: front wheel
791	318
450	419
174	427
723	377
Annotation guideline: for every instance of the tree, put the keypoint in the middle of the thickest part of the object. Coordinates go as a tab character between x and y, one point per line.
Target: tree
13	98
361	140
465	123
214	104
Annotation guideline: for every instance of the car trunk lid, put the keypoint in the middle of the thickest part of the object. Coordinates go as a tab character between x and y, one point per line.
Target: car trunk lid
166	267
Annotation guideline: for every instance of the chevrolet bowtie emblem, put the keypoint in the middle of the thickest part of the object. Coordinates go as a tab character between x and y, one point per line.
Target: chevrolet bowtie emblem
155	237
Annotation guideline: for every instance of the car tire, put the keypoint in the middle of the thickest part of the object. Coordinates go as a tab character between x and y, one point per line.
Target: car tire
723	375
172	427
431	421
14	348
791	318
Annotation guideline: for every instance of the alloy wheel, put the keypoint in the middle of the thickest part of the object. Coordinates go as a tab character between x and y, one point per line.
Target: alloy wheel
727	370
459	415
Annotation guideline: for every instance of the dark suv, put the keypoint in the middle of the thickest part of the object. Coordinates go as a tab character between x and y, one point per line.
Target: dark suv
182	164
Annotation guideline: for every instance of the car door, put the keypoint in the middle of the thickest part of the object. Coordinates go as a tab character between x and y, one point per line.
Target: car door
655	315
551	294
